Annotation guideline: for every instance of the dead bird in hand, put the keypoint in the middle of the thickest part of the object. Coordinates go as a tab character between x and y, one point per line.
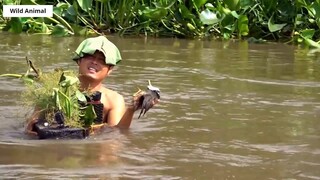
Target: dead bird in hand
145	100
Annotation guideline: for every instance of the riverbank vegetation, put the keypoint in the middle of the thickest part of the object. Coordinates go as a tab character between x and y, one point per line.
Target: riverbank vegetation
290	21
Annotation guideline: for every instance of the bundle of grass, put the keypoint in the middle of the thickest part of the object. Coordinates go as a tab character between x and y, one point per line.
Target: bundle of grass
58	101
56	92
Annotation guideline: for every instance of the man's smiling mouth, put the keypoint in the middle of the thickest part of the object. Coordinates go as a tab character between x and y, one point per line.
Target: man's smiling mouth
92	69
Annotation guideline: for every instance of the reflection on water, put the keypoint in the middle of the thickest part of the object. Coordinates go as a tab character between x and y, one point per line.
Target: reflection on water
229	110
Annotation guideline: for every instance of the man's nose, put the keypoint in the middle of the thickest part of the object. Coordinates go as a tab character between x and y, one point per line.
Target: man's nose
94	60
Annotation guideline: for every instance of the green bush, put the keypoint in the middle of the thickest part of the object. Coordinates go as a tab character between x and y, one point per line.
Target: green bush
293	21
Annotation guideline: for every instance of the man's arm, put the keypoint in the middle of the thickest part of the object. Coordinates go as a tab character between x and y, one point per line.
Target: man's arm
121	115
127	117
117	110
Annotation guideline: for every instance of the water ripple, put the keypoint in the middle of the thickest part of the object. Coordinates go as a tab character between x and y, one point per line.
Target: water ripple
279	83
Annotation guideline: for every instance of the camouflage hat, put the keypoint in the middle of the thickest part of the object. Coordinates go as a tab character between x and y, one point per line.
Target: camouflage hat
102	44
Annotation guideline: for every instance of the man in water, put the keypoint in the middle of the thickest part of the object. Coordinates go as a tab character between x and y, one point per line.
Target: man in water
96	58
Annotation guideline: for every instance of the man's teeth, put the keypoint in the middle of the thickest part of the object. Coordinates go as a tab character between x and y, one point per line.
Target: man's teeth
91	68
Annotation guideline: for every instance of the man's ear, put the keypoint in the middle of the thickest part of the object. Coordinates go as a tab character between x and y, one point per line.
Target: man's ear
78	61
110	70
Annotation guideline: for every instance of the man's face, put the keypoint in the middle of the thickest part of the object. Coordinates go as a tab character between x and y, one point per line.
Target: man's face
93	66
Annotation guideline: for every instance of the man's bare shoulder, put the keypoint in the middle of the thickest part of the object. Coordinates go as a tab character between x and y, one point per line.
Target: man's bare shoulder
112	95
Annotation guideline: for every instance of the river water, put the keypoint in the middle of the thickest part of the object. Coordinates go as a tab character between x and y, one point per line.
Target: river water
228	110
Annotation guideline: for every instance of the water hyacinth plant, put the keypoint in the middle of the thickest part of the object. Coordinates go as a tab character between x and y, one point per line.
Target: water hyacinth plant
56	91
292	21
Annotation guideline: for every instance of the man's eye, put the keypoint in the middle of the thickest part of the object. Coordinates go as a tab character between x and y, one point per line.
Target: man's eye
89	57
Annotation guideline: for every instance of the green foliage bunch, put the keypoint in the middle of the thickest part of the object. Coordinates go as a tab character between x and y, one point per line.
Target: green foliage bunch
295	21
55	91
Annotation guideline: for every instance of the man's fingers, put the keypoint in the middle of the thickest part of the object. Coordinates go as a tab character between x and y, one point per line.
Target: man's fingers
155	101
138	93
32	133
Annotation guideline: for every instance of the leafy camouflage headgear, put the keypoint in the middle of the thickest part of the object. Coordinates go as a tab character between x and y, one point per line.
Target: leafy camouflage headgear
102	44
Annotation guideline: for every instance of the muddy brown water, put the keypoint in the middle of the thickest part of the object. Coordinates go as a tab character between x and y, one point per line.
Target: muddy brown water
229	110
